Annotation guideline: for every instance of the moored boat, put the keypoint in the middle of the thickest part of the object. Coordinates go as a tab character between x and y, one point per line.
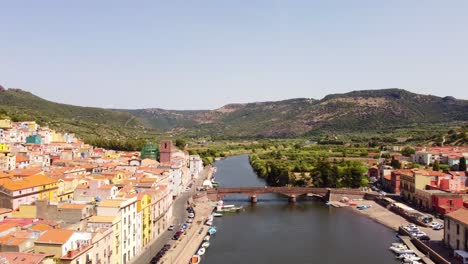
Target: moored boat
205	244
217	214
212	230
201	251
401	250
195	259
207	238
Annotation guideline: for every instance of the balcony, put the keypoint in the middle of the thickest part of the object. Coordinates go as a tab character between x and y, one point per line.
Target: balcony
73	254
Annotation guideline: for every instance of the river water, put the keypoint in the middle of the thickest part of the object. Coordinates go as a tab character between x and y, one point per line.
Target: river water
276	232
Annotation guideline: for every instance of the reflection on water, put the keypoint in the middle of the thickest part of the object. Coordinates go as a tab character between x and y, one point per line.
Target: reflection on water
276	232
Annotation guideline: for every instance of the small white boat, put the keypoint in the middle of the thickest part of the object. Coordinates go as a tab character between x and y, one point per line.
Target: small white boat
401	250
217	214
403	256
195	259
410	259
397	244
205	244
209	223
207	238
201	251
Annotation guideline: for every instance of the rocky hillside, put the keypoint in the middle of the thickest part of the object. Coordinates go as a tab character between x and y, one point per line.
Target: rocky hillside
369	110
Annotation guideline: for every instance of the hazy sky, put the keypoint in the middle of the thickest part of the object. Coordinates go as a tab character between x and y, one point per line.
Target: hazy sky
203	54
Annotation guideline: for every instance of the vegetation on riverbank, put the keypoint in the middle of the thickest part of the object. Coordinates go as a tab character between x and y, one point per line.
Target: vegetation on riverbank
314	165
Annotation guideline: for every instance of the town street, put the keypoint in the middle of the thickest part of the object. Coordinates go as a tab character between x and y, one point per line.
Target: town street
180	215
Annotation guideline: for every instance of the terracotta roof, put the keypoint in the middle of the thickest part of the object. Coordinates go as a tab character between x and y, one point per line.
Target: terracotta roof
23	258
111	203
28	182
40	227
55	236
20	158
6	226
461	215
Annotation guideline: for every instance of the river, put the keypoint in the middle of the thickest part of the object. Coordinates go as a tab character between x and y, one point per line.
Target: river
276	232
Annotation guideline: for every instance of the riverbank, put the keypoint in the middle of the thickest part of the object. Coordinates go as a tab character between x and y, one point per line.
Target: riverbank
390	219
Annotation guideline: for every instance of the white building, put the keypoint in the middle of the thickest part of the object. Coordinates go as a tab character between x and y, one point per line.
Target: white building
196	165
127	210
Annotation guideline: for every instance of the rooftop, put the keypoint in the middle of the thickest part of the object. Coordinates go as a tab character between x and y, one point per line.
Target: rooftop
101	219
23	258
461	215
55	236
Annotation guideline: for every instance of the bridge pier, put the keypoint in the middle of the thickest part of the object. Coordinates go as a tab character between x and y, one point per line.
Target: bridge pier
253	199
292	198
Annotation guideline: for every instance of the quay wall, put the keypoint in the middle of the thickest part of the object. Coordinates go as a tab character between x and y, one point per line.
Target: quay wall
438	259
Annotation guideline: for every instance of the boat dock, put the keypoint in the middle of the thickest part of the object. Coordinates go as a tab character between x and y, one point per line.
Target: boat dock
409	244
338	204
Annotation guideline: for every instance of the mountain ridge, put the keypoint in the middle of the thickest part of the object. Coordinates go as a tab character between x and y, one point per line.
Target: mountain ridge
355	111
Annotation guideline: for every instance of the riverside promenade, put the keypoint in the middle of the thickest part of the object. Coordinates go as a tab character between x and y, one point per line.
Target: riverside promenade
179	215
184	248
190	241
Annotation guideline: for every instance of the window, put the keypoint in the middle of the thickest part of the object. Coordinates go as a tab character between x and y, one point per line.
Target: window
458	230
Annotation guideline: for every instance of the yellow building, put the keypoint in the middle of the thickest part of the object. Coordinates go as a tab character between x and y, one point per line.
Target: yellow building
57	136
49	191
26	211
5	147
143	207
5	123
66	189
417	180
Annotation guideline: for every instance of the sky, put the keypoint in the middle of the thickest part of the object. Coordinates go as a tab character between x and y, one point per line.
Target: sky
205	54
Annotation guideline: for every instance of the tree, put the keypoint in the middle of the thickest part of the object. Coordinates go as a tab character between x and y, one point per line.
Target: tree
435	166
407	151
180	143
395	163
462	164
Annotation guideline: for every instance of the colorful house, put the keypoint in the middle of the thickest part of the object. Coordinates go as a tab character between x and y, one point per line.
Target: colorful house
34	139
15	192
143	208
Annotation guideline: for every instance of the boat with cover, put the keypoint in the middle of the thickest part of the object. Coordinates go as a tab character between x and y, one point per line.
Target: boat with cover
201	251
195	259
212	230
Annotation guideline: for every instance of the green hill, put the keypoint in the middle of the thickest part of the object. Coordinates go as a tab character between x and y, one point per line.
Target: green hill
388	114
86	122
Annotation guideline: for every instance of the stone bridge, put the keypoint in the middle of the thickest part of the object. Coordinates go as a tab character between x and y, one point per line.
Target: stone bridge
292	193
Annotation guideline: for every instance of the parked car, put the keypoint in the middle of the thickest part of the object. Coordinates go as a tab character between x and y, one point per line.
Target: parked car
427	220
191	215
190	220
170	228
424	238
438	227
